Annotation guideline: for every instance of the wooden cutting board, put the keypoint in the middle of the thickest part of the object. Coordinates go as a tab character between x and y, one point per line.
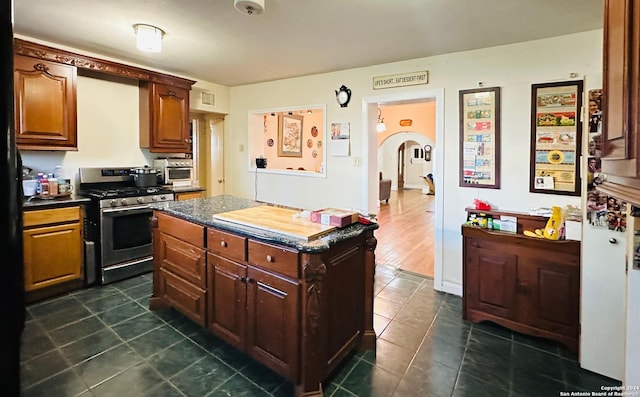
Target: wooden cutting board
278	220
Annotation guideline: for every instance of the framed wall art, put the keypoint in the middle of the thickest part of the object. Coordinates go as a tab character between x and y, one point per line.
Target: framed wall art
556	136
480	138
290	135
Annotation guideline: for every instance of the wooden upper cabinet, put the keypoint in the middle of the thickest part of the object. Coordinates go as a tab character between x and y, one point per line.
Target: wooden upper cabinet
45	104
164	118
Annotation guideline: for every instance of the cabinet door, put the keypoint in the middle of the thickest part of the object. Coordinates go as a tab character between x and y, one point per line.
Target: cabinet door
490	279
227	304
45	104
52	255
273	321
164	118
548	294
621	88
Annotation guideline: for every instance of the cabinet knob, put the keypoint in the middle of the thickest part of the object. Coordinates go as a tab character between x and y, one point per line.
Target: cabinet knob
223	244
522	287
613	240
269	258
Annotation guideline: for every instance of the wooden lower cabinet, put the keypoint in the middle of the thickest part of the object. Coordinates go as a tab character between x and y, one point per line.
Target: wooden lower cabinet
228	301
299	314
273	320
180	267
526	284
53	251
188	195
256	311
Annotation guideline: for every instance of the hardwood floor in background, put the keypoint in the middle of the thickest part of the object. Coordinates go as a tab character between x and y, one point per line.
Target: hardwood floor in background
405	236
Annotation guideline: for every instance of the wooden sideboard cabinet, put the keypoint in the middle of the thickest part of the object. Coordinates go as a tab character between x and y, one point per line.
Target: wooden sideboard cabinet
53	251
45	104
298	313
526	284
164	118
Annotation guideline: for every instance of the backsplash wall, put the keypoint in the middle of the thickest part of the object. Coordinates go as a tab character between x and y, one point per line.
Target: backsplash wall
108	130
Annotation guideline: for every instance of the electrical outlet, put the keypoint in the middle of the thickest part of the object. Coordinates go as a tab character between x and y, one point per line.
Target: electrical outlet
242	148
357	161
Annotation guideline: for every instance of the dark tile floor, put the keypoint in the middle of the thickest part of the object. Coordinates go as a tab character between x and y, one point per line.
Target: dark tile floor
103	341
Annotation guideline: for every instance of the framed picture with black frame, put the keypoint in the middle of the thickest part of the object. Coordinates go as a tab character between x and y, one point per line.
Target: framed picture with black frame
480	138
556	138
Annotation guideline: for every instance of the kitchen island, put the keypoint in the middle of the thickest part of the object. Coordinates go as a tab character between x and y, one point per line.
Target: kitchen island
299	307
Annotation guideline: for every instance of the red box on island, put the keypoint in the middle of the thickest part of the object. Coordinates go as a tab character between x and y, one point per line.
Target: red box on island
334	217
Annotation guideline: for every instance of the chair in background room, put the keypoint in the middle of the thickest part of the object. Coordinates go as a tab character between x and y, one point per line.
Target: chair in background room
385	189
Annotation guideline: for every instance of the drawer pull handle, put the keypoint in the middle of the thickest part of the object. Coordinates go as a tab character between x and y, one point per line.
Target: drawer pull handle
223	244
270	258
243	279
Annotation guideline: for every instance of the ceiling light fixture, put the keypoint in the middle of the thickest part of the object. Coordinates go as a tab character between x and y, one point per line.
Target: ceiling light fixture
249	7
148	38
381	127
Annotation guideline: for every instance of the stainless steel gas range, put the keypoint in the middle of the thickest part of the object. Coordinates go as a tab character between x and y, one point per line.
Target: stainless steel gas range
117	223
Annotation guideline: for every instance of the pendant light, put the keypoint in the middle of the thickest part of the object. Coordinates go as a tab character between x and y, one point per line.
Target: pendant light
148	37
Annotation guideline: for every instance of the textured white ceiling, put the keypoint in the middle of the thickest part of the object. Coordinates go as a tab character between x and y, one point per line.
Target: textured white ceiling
210	40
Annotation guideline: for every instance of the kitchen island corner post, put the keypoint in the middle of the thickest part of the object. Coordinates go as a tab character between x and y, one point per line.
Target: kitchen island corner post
314	333
156	302
369	338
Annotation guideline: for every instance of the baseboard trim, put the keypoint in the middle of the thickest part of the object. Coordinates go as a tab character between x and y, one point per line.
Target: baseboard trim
451	288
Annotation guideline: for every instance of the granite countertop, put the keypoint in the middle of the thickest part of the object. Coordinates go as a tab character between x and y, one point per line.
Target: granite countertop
202	210
36	203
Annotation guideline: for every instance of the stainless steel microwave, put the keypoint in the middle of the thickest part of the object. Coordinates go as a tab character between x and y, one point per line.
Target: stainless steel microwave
174	170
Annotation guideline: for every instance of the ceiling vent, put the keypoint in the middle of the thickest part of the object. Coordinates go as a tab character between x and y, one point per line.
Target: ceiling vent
208	98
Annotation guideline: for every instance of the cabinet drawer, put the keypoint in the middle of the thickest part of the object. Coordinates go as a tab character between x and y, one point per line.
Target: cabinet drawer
274	258
226	244
482	244
184	296
51	216
183	259
184	230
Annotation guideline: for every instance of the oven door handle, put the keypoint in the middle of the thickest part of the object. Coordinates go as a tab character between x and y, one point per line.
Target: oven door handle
125	209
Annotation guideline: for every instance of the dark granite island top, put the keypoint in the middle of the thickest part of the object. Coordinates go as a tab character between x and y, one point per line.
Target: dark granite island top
201	211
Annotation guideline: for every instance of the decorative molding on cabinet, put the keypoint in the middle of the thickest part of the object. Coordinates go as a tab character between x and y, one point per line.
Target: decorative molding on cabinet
34	50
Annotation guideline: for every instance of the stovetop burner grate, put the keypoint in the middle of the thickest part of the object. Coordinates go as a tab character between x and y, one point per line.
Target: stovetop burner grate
124	192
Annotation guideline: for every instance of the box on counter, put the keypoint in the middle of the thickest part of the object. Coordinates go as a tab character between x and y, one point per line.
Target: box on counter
508	223
334	217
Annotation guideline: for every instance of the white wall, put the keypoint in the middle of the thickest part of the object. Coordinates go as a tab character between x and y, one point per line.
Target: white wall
512	67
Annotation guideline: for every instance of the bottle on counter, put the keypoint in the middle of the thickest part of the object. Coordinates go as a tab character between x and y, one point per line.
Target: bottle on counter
53	185
44	186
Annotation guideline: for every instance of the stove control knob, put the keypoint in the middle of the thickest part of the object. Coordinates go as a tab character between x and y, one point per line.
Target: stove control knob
154	198
124	201
112	203
163	197
140	199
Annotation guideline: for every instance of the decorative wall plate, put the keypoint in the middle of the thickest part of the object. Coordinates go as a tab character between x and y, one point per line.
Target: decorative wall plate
314	154
314	131
319	144
270	142
309	143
